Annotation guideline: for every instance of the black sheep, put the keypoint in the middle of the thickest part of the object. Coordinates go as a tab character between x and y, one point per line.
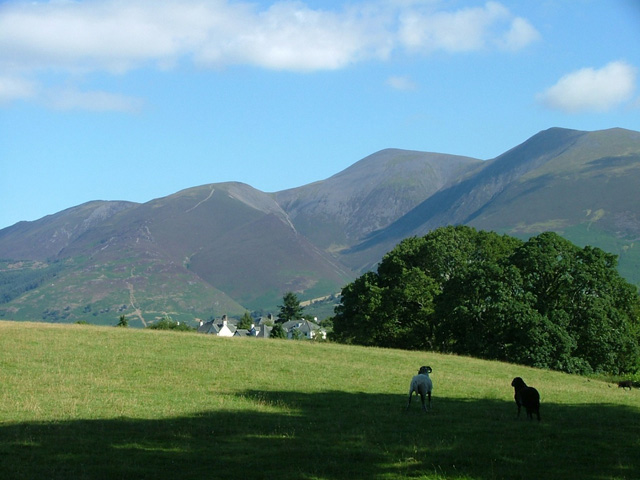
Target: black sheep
625	384
527	397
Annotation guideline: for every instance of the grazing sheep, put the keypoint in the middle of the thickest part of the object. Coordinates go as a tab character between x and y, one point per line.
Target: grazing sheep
422	385
625	384
527	397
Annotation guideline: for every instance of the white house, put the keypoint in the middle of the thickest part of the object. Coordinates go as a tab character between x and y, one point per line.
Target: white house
221	328
294	329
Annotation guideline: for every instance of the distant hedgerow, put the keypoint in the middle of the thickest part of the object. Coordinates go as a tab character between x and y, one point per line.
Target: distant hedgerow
167	323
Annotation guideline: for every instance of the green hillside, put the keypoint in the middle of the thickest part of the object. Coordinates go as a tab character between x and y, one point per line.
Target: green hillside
102	403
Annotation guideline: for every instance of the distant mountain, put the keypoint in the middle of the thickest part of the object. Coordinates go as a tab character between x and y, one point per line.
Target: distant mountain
223	248
583	185
371	194
212	249
46	238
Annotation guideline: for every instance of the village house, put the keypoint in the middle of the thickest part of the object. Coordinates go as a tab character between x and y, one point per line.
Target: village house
296	329
221	328
260	331
304	329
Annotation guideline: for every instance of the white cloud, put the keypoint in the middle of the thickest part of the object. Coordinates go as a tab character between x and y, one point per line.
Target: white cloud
291	36
592	90
116	36
110	35
12	89
465	30
401	83
96	101
15	89
520	34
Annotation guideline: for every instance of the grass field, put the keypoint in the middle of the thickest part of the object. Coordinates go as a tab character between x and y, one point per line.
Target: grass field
84	402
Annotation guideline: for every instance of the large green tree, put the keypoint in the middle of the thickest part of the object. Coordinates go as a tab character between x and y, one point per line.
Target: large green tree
488	313
290	308
581	291
544	302
360	306
394	307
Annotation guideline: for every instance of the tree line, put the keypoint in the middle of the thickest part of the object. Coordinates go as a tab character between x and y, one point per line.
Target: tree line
14	283
543	302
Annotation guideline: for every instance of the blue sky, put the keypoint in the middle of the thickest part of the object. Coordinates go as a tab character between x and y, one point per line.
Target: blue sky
138	99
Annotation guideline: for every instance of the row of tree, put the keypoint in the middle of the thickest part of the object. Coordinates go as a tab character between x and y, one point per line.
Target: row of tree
543	302
16	282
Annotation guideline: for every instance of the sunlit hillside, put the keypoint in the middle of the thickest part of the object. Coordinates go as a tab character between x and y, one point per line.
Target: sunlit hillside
104	402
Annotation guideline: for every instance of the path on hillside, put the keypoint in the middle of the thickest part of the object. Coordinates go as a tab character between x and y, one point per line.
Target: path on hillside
201	201
132	300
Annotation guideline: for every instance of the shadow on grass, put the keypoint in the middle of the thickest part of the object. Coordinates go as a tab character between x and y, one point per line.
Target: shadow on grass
333	435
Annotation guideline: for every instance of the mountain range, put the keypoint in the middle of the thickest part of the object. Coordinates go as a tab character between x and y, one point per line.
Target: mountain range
225	248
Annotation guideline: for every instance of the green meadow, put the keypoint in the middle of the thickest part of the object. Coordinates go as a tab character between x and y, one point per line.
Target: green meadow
86	402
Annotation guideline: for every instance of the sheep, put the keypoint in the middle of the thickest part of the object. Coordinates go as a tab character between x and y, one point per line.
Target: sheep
527	397
422	385
625	384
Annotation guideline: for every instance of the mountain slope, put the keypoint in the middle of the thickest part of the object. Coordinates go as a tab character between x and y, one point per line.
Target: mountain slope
379	189
170	255
223	248
47	237
605	165
557	179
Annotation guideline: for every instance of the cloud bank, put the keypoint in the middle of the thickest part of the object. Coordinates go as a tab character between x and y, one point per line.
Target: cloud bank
465	30
591	90
116	36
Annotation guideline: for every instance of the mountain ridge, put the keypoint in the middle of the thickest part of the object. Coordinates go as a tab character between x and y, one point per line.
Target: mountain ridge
221	248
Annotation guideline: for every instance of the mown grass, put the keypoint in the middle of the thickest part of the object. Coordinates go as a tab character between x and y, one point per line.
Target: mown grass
89	402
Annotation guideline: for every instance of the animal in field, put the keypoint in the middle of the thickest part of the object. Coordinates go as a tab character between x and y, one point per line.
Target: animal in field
625	384
527	397
421	384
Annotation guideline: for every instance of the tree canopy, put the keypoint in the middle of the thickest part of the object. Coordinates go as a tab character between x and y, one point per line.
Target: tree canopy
543	302
246	321
290	308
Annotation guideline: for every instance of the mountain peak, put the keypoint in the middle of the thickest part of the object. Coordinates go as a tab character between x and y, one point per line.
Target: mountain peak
222	248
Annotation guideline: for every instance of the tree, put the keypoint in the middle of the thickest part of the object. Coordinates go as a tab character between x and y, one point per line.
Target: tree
278	332
394	307
487	313
123	322
290	308
167	323
406	308
245	322
581	292
544	302
356	319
